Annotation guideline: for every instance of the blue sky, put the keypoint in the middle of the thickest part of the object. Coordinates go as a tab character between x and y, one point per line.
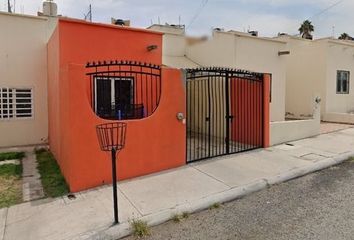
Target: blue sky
267	16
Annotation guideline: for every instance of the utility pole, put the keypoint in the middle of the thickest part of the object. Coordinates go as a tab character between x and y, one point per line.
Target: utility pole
9	6
90	13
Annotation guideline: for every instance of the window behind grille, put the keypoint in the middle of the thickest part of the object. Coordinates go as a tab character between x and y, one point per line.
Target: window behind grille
16	103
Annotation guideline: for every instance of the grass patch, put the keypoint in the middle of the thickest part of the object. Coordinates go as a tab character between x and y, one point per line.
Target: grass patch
11	155
40	150
351	160
10	184
10	170
140	228
215	206
54	184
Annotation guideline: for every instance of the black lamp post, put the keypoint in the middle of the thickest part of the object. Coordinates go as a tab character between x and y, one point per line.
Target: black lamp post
111	137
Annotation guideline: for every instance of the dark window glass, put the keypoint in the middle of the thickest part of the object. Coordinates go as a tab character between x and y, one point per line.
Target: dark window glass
23	105
343	82
23	95
23	100
20	111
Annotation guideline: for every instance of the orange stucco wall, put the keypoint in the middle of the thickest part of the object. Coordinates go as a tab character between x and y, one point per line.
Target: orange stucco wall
81	42
247	109
152	144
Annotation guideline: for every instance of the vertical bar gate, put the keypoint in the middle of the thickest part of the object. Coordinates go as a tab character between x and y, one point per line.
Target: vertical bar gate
224	112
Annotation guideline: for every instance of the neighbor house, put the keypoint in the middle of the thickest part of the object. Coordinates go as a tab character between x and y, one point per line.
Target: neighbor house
243	51
320	68
23	79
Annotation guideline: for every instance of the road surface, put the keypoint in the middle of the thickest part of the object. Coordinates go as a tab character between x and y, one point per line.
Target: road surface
317	206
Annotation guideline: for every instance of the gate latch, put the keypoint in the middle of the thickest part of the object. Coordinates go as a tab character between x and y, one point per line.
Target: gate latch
180	116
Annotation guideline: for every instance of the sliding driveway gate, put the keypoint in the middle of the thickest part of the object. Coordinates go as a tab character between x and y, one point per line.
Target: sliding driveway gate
224	112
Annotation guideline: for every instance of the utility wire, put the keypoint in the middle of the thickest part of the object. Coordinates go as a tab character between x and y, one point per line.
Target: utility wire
323	11
326	9
196	15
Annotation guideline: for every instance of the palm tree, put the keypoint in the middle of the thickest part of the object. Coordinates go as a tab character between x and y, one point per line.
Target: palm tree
306	29
345	36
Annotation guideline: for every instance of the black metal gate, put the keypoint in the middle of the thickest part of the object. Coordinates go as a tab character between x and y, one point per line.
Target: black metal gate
224	112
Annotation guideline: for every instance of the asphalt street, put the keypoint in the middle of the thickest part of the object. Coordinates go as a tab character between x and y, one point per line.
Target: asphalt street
317	206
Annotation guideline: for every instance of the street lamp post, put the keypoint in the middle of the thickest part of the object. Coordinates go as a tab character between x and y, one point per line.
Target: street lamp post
111	137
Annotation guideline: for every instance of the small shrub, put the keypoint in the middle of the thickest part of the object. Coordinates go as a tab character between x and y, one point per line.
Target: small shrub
185	215
11	155
215	206
140	228
177	218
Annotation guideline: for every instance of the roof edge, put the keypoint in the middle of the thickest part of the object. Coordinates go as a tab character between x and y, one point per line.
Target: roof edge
106	25
23	15
241	34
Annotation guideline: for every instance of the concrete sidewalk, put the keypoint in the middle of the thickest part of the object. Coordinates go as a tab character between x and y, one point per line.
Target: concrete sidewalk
156	198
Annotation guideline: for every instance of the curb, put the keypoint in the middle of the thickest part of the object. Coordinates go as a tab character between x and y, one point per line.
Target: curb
124	229
301	171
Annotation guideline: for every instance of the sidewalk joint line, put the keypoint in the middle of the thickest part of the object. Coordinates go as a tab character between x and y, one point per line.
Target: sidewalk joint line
121	190
211	177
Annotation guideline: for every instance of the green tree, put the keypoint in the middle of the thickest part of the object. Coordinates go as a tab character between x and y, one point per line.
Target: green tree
345	36
306	29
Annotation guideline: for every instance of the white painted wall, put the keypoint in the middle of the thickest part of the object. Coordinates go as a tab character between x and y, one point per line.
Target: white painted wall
23	63
312	71
338	117
174	45
287	131
241	51
340	57
305	74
